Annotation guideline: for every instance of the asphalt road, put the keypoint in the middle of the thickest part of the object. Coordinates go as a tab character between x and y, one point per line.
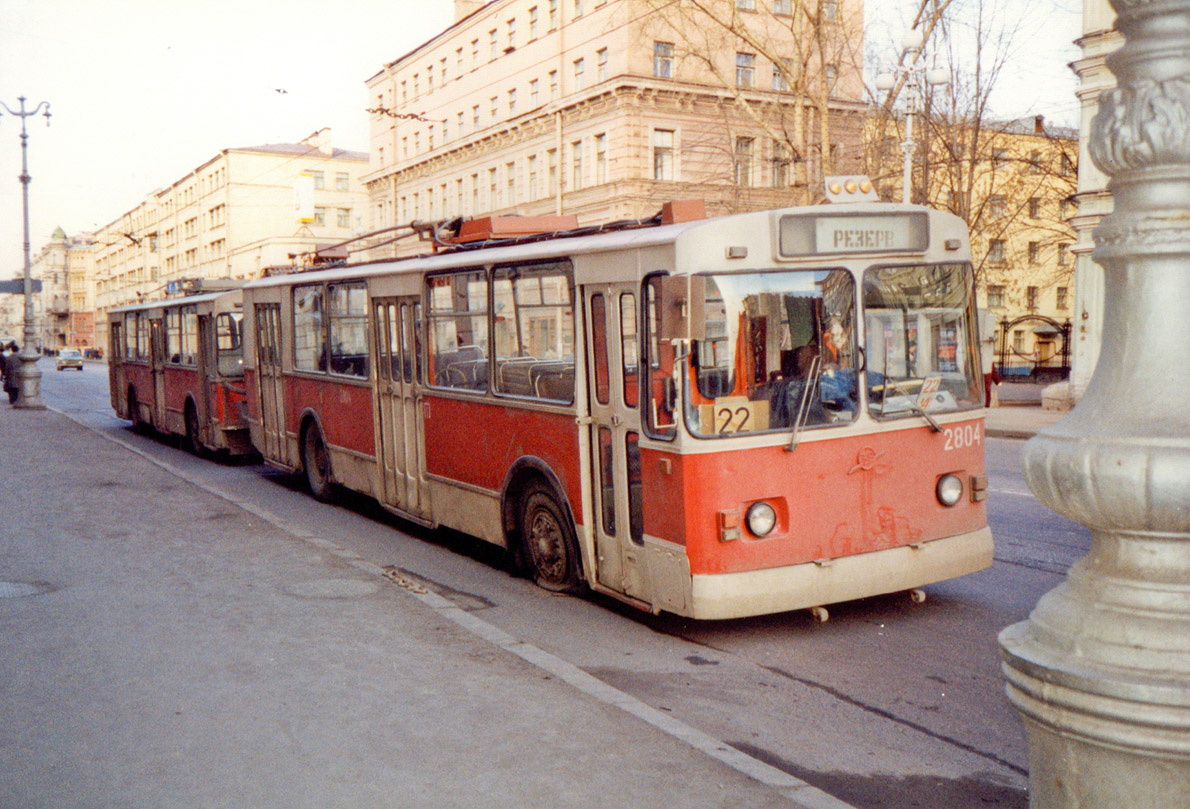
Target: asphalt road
889	704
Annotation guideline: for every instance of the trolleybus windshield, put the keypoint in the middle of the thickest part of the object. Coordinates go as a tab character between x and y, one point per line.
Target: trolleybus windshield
229	344
775	345
920	346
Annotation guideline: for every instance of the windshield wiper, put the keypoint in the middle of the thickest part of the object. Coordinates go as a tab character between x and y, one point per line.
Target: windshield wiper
909	400
803	410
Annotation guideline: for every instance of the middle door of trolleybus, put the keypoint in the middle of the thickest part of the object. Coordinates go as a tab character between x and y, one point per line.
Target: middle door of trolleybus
612	361
398	407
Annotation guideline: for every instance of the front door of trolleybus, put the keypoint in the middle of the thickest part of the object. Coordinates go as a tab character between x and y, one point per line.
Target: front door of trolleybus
398	405
612	358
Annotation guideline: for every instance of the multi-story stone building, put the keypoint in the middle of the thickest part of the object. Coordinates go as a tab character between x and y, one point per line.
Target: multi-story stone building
1014	184
50	266
605	109
229	218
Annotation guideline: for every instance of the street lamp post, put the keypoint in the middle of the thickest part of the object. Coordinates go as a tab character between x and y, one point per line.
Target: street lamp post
914	78
30	378
1100	671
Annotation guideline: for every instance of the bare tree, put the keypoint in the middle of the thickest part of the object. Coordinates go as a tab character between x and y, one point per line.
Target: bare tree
813	109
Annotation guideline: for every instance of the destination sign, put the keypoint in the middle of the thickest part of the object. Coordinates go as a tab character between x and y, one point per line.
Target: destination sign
856	233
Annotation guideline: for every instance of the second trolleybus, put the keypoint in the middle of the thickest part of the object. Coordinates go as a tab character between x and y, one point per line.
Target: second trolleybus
715	418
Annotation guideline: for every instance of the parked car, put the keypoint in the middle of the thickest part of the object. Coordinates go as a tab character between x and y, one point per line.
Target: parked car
70	358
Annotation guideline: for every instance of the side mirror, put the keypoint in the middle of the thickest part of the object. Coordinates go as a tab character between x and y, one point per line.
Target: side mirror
683	308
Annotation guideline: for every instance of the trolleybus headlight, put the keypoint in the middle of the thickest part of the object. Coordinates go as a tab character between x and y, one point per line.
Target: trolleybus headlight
761	519
949	490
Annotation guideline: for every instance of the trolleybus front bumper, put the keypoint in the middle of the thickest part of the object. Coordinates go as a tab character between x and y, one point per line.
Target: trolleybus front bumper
814	584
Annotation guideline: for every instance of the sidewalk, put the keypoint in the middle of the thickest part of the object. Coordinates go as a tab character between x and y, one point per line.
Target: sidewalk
163	647
1018	421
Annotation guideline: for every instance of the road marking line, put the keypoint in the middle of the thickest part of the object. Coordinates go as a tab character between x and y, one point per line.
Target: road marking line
800	793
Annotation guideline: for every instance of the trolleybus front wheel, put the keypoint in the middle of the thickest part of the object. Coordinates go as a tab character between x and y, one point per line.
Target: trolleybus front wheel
549	543
317	463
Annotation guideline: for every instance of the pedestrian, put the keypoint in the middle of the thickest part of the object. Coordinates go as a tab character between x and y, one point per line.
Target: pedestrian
11	367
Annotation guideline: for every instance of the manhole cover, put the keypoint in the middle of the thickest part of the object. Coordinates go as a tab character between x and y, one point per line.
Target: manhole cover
16	589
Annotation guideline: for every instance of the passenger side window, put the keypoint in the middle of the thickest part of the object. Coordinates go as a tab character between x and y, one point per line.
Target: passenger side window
533	332
458	331
349	330
309	350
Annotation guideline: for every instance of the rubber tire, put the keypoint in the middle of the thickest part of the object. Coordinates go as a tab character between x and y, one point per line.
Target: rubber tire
317	464
191	440
138	424
549	546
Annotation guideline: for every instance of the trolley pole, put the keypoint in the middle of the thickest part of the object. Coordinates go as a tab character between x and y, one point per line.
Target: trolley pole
1100	671
30	378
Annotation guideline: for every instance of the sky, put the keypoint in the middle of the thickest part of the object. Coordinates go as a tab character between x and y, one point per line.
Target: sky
142	91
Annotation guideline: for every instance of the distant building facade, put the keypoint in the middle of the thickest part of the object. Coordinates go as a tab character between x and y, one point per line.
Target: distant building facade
233	215
604	109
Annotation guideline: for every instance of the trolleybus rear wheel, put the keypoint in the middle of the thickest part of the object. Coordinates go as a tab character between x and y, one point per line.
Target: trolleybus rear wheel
317	464
193	442
550	546
138	423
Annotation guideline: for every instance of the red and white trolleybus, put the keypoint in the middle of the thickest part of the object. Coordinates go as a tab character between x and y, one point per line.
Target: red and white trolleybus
715	418
177	366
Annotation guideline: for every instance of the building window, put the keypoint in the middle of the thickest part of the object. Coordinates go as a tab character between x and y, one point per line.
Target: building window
533	23
576	164
830	10
1034	252
342	181
553	10
1061	301
579	67
600	159
344	220
781	72
475	118
460	123
512	34
1063	254
553	85
578	8
510	182
493	198
474	54
830	76
997	206
601	61
1031	298
996	251
780	165
743	161
552	169
745	70
319	180
1018	341
532	177
475	194
319	216
1034	162
512	102
493	45
745	5
458	62
1067	165
429	79
534	95
663	154
999	158
1034	207
494	107
995	296
663	60
783	7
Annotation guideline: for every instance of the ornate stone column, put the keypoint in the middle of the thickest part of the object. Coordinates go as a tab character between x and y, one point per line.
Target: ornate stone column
1101	669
